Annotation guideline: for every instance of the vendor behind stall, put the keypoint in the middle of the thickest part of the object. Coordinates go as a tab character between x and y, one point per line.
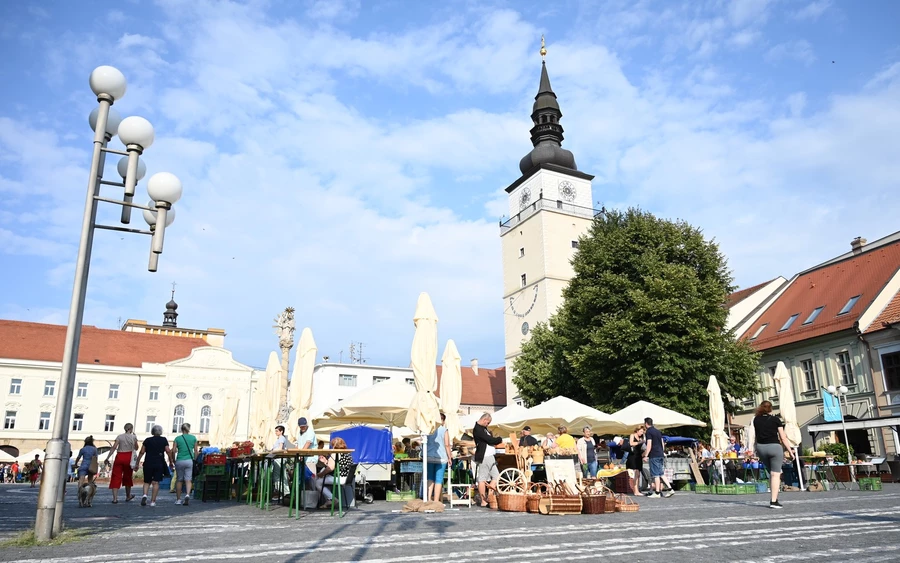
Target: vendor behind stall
527	440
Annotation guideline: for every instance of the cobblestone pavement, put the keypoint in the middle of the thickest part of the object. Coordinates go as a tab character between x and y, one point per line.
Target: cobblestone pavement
820	527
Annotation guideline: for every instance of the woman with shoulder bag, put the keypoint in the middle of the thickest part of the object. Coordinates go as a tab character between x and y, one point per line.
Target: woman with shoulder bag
185	449
771	447
124	449
87	461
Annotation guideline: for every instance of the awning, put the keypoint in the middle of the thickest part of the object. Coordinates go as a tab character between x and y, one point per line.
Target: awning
856	424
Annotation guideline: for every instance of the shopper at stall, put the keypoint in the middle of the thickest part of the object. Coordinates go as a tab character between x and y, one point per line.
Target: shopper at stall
158	465
655	454
123	449
634	464
587	453
185	451
306	441
486	473
772	447
325	475
527	440
438	456
564	440
549	442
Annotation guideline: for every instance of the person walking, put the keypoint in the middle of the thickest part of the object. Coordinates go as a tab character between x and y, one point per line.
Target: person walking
485	461
86	461
587	453
123	449
438	456
156	447
635	461
655	454
771	447
34	471
184	452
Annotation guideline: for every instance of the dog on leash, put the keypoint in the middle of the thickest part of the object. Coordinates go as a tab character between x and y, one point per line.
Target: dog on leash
86	492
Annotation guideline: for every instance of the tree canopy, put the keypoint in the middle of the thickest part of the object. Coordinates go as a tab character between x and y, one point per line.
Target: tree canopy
643	319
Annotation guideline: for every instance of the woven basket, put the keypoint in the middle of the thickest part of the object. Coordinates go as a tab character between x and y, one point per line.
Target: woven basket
560	502
512	502
534	496
625	504
593	503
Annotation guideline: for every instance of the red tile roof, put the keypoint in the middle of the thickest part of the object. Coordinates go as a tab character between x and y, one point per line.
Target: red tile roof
889	315
486	388
43	342
738	296
830	286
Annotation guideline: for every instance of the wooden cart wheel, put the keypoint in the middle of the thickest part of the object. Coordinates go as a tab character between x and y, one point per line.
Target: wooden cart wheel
511	481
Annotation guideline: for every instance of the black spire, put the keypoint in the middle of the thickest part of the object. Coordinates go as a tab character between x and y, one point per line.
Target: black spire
547	133
170	316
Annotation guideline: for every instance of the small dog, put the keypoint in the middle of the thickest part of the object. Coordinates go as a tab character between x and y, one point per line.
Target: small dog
86	494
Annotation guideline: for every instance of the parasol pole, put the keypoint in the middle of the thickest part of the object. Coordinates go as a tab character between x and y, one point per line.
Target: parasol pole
425	467
799	469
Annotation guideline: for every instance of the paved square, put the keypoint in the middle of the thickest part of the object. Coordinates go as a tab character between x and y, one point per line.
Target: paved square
821	527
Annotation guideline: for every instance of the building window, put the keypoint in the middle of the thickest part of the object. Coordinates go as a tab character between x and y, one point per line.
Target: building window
154	393
559	204
181	396
9	423
410	381
205	414
789	322
49	388
812	316
522	252
379	379
114	391
809	374
843	361
759	331
207	396
77	422
82	390
347	380
151	420
44	421
849	305
773	382
178	419
891	365
110	423
574	244
15	387
524	280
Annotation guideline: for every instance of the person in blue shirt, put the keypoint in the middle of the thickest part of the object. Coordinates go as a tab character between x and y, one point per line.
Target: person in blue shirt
734	445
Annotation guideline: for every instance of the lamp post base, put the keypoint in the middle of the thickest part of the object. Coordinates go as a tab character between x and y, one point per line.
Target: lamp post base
54	459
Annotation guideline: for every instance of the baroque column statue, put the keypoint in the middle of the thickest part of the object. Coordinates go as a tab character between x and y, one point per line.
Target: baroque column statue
284	330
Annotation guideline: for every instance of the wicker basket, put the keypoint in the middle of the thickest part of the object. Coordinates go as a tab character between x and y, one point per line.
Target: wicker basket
593	503
512	502
534	496
625	504
560	502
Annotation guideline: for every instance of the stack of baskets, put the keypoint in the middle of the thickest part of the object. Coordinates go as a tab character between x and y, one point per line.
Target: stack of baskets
560	501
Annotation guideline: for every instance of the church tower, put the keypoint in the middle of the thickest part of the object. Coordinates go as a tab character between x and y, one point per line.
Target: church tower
550	207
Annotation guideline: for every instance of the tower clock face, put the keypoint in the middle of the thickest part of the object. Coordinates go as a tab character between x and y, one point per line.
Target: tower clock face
525	198
567	190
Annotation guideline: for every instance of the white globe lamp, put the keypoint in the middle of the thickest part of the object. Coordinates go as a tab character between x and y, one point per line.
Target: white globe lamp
108	80
122	167
136	130
164	186
112	121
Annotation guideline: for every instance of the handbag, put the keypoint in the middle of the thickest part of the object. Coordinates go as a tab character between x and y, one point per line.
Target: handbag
93	467
197	466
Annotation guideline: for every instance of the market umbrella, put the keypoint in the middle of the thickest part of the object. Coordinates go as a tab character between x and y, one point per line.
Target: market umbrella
384	404
633	415
451	389
509	413
424	413
266	400
225	423
6	458
27	457
719	440
788	410
302	379
545	417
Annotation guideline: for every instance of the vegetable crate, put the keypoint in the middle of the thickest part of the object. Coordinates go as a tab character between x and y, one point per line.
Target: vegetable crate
703	489
727	490
869	483
214	459
762	486
402	496
214	469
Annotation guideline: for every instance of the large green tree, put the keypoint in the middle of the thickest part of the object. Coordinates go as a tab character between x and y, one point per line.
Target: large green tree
643	319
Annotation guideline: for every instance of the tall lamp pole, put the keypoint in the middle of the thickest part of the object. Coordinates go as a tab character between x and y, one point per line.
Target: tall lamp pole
136	133
842	392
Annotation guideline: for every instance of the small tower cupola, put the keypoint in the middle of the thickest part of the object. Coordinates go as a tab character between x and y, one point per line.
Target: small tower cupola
547	133
170	317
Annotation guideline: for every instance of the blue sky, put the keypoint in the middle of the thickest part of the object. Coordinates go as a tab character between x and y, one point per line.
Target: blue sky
341	157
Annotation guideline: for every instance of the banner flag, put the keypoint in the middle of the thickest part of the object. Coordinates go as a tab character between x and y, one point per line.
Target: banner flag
832	412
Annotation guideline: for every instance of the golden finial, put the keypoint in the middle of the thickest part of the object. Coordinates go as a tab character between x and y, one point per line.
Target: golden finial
543	48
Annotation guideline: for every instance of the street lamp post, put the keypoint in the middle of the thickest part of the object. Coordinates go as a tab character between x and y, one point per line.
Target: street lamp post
842	392
136	133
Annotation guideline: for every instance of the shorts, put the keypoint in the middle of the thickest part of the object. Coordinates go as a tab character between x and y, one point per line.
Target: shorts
436	470
656	466
154	473
184	470
771	455
487	470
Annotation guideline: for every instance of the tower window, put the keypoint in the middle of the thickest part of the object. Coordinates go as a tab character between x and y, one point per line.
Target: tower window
574	244
524	280
522	252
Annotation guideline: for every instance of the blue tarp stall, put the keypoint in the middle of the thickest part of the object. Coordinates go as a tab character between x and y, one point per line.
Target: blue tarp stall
370	445
680	441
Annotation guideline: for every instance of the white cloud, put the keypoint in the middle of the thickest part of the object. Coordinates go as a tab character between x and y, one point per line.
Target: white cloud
743	12
333	9
796	102
745	38
799	50
813	10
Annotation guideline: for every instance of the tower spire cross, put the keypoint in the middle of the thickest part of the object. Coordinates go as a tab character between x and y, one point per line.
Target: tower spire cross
543	48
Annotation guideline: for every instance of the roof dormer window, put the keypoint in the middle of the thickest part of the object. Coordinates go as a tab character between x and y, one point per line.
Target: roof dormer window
812	316
850	303
789	322
759	331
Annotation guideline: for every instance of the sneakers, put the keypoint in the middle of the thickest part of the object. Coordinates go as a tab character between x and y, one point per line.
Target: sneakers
775	504
187	500
152	504
654	495
144	500
179	501
668	494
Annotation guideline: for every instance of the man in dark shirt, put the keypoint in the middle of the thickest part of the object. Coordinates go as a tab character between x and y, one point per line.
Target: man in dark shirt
527	440
486	473
655	454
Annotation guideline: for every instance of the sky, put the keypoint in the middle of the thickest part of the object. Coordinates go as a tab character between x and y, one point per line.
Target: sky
341	157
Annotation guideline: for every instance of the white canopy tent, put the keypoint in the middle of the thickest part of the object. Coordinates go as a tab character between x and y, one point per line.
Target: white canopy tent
383	404
633	415
545	417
